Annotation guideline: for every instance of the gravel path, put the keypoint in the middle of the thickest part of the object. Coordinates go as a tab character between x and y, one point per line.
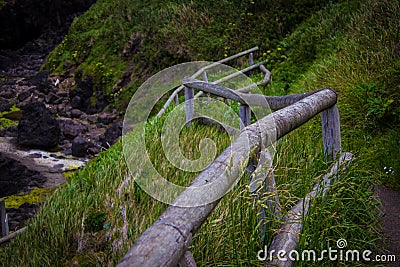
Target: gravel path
391	219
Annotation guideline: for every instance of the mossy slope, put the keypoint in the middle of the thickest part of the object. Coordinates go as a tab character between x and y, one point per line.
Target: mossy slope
352	48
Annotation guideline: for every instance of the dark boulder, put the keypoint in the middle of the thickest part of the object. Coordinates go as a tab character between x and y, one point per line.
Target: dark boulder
24	94
52	98
105	118
71	128
79	146
4	104
76	113
76	102
42	82
85	97
15	177
38	128
9	131
18	216
112	134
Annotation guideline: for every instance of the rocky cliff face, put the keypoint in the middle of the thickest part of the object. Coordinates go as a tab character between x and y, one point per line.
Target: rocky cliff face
24	20
49	116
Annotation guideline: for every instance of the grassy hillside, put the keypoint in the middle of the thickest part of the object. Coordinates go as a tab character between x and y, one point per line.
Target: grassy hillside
119	44
352	47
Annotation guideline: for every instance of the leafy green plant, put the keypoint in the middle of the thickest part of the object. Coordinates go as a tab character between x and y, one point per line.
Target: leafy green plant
95	220
348	46
375	103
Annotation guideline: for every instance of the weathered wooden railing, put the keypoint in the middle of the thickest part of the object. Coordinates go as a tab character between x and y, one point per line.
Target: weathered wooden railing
165	243
5	236
4	220
202	71
330	117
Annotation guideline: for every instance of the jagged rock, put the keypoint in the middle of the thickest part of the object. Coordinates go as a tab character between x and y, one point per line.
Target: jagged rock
76	113
93	150
52	98
24	94
112	134
38	128
7	92
71	128
18	216
4	104
92	118
15	177
79	146
42	82
105	118
9	131
76	102
88	101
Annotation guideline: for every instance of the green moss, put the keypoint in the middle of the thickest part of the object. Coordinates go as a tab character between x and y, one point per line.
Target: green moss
332	49
5	123
114	40
68	175
8	118
37	195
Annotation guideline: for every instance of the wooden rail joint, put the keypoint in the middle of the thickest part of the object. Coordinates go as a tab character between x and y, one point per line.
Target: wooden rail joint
163	245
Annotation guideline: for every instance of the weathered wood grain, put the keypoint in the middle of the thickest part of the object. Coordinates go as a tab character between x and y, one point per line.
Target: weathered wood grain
197	74
187	260
263	181
272	102
287	237
166	241
189	104
330	119
3	217
266	80
7	238
245	115
233	75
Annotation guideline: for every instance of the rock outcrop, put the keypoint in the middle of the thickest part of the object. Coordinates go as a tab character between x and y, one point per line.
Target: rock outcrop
15	177
24	20
18	216
79	147
38	128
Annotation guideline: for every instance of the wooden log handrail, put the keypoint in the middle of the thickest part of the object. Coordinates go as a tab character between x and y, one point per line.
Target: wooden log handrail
199	72
234	75
266	80
272	102
166	241
8	238
288	234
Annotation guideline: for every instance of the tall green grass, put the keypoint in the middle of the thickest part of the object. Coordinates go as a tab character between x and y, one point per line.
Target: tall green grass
354	45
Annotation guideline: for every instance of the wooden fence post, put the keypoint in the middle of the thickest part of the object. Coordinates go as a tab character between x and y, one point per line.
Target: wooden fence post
189	105
4	220
251	61
244	112
331	132
207	121
263	180
176	99
167	240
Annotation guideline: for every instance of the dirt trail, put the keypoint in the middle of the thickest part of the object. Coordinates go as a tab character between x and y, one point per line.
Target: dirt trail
391	219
